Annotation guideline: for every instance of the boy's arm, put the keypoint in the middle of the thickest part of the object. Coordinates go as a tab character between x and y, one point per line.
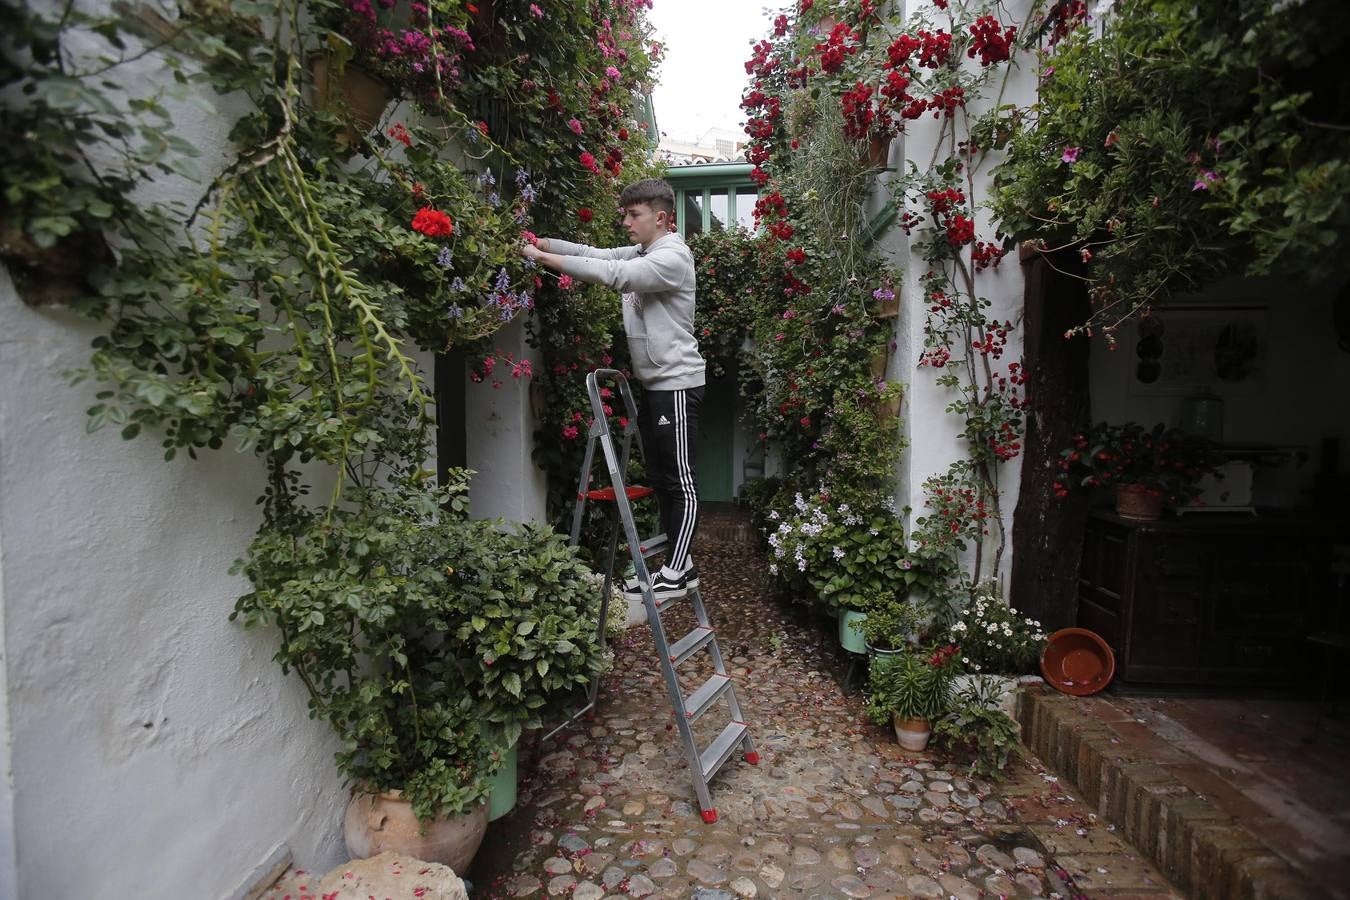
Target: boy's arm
659	271
567	248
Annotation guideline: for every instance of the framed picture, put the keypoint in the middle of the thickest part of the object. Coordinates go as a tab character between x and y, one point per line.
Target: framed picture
1178	349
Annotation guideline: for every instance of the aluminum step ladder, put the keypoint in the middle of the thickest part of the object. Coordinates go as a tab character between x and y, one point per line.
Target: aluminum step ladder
703	763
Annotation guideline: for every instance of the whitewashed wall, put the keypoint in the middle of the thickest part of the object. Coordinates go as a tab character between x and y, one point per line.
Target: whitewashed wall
155	748
932	432
149	747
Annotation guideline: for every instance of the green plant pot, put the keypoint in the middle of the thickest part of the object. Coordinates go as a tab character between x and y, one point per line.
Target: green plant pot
851	638
502	787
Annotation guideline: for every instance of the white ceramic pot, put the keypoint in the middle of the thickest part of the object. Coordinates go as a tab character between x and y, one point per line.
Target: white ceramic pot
912	734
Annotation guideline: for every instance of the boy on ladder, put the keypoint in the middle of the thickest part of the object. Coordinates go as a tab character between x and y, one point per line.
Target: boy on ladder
656	277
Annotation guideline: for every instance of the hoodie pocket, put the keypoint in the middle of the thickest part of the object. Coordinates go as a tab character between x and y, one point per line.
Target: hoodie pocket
644	365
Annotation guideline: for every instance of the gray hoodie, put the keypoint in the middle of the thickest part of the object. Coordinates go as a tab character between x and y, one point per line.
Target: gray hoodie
658	305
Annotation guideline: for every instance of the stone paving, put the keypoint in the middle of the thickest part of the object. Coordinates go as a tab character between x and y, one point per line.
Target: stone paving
834	809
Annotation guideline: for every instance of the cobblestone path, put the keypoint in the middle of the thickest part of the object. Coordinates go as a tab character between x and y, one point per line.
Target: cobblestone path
834	809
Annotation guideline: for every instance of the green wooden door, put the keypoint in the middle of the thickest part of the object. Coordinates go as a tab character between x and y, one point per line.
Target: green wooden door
716	440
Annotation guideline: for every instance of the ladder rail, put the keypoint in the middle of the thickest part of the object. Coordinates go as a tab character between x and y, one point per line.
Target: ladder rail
703	764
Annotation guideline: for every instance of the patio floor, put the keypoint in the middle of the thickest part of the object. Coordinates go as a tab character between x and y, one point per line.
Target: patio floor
1265	762
834	809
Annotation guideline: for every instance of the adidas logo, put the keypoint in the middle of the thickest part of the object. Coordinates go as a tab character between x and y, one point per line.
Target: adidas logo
663	421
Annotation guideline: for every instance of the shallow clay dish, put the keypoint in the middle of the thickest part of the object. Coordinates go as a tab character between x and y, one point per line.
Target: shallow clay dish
1077	661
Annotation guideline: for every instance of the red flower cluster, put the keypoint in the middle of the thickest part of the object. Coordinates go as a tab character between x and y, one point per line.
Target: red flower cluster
936	48
432	223
947	101
588	160
986	255
960	230
858	112
796	256
782	230
943	201
1064	16
399	133
991	42
761	61
585	214
937	357
841	44
943	655
771	205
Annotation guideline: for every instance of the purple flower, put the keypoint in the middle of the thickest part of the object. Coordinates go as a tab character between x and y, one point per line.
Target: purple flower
456	312
522	176
443	258
613	73
528	194
457	284
536	11
883	294
1200	185
503	282
486	178
837	309
1070	155
494	199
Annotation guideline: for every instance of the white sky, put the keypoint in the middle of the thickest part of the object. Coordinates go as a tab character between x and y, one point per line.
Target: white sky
703	73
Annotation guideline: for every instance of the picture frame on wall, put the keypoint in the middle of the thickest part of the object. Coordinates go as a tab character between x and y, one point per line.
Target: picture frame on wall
1180	349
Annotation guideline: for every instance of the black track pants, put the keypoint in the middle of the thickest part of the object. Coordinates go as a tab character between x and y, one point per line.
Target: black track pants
668	423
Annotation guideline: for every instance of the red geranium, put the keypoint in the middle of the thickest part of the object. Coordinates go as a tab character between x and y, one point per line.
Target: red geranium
432	223
585	214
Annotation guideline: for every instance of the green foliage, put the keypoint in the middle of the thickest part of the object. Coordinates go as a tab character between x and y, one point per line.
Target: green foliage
277	307
976	726
907	685
526	609
840	557
1161	183
414	627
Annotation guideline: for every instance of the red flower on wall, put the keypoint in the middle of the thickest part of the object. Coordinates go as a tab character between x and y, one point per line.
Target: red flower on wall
585	214
432	223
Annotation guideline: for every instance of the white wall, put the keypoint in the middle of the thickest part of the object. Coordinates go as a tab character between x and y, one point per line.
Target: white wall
931	430
499	426
157	750
1303	396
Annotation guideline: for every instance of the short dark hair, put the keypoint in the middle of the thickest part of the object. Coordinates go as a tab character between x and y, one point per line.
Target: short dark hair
654	192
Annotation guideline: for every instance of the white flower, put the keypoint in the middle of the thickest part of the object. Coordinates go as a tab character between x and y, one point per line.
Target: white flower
838	554
773	568
773	515
801	565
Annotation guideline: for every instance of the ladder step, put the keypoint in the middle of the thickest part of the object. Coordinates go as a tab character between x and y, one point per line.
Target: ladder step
698	702
720	750
652	546
690	644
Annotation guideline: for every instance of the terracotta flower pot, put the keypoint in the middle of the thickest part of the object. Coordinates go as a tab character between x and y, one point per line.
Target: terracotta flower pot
364	94
878	151
378	822
1135	501
912	734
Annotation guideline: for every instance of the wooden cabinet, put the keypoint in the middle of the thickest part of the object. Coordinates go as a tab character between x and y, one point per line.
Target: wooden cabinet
1202	599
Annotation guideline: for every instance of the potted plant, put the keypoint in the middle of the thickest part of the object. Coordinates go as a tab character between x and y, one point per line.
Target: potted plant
1146	467
997	645
910	689
974	724
523	631
415	629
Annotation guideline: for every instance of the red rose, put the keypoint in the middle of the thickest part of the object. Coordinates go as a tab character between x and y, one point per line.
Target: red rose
585	214
432	223
623	134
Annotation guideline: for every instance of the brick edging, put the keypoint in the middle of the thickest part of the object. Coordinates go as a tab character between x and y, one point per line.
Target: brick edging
1202	850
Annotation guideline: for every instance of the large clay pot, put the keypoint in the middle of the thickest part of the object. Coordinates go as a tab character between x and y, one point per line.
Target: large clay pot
912	734
379	822
365	95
